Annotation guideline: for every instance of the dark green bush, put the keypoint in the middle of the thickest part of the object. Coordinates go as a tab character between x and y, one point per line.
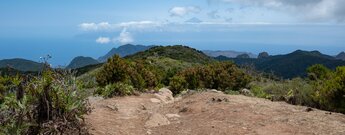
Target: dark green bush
136	73
115	70
221	76
177	84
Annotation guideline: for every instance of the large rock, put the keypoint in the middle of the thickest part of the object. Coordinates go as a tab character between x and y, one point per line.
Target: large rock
165	95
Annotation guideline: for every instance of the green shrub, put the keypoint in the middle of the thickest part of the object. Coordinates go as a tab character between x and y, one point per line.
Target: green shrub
136	73
330	92
177	84
116	89
318	72
47	104
221	76
115	70
296	91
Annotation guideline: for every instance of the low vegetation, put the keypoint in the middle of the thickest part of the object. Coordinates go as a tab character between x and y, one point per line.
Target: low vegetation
324	88
50	103
221	76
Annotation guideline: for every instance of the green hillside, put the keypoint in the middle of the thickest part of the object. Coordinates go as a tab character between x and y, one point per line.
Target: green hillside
123	51
21	64
289	65
177	52
81	61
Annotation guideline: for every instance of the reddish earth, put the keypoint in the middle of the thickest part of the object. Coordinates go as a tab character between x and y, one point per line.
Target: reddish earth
207	113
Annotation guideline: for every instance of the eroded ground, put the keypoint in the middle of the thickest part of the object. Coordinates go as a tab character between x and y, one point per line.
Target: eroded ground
207	113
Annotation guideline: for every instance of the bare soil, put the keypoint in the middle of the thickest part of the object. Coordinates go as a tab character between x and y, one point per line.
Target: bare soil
208	113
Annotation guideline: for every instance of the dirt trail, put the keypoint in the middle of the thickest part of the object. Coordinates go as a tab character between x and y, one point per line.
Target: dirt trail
207	113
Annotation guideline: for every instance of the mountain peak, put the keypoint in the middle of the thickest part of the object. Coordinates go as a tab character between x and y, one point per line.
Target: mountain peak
310	53
341	56
124	50
81	61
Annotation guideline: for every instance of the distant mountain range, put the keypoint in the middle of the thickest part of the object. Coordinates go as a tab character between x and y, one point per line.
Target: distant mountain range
289	65
81	61
229	54
21	64
124	50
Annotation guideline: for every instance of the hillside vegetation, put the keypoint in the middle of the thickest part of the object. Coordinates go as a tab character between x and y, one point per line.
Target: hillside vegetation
177	52
81	61
21	64
54	101
289	65
123	51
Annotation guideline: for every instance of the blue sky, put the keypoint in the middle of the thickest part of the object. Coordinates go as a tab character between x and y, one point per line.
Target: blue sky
66	29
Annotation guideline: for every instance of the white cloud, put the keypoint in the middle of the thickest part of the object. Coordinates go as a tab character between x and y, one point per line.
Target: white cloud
133	25
182	11
125	37
308	10
103	40
95	26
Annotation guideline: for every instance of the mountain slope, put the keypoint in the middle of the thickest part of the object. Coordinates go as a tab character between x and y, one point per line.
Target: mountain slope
177	52
81	61
229	54
341	56
123	51
290	65
21	64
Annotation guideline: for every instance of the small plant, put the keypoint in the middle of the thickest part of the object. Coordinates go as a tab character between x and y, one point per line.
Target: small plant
116	89
177	84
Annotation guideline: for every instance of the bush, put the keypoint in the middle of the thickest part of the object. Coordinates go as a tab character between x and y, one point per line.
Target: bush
116	89
115	70
47	104
137	73
221	76
331	91
318	72
296	91
177	84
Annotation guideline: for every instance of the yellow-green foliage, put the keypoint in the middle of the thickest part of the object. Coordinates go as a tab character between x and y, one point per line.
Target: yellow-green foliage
222	76
177	84
295	91
330	89
324	89
115	89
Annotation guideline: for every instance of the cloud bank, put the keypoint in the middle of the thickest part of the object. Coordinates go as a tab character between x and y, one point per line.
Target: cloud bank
308	10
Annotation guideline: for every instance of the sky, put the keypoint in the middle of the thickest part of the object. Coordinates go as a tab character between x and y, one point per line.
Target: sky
65	29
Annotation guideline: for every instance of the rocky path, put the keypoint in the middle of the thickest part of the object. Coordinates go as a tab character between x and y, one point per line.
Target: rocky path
207	113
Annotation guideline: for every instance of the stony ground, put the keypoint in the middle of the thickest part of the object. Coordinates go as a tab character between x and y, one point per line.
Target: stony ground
207	113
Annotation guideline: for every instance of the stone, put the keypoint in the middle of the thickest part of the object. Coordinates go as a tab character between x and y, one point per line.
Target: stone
155	100
165	95
156	120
